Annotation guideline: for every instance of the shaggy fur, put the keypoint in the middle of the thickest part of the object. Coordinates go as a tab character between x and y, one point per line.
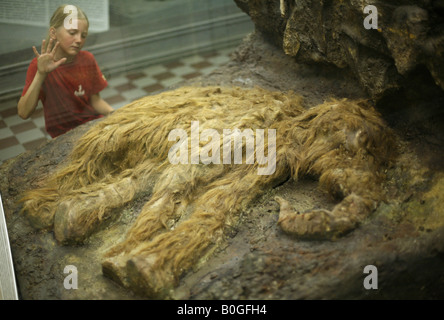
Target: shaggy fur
344	143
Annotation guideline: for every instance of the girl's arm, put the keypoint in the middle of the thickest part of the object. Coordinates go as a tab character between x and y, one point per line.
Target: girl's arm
45	64
100	105
27	103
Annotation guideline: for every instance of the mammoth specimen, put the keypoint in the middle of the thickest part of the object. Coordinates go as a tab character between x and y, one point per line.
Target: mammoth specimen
344	143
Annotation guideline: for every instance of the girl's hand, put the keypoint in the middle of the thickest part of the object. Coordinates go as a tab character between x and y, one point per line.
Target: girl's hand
46	61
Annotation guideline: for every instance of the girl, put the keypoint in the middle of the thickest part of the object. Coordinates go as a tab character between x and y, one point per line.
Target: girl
66	79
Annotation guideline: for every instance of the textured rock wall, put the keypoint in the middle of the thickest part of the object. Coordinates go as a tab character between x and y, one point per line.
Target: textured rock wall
409	35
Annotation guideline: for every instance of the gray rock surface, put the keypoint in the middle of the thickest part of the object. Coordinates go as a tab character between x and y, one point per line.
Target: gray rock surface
409	35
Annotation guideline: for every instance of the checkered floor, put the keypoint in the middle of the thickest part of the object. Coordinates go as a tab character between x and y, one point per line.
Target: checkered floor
18	135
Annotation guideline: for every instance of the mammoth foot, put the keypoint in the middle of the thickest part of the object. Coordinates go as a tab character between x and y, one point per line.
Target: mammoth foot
75	221
40	206
77	218
324	224
141	274
43	219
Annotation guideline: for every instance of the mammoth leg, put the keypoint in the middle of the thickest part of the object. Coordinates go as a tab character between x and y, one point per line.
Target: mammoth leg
152	220
98	157
344	217
153	267
170	200
79	213
325	224
77	217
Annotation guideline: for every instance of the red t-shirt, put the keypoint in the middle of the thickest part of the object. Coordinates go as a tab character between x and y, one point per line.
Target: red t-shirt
67	91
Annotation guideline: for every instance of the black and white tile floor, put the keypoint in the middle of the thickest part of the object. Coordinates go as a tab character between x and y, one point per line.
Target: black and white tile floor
18	135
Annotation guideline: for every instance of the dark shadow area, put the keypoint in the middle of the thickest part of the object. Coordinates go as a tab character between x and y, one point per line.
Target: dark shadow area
416	112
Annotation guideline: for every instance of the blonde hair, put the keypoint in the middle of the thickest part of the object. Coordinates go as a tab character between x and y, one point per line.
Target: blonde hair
59	16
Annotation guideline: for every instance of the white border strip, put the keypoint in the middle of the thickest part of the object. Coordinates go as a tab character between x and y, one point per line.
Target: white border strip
8	287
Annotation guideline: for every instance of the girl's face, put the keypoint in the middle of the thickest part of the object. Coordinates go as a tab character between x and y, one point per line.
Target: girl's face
71	41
